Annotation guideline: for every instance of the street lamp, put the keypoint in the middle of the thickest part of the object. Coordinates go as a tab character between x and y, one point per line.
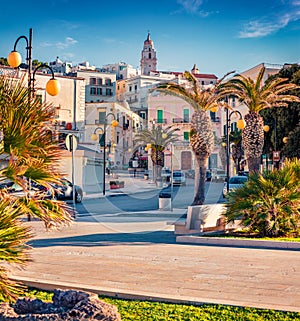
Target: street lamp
94	137
276	153
14	60
240	125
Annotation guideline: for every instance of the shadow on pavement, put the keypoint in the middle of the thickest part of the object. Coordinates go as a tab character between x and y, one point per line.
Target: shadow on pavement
90	240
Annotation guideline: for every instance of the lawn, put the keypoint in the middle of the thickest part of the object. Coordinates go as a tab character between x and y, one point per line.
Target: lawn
132	310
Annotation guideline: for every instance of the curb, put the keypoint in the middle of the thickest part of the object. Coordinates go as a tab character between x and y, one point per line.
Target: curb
215	241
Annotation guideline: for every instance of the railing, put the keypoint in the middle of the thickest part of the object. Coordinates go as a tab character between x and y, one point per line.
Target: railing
215	119
180	120
160	121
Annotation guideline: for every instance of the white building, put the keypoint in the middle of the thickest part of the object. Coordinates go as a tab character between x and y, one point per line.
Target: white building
100	86
122	70
60	67
119	140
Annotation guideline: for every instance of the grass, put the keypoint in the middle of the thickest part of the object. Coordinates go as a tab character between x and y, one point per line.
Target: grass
246	236
132	310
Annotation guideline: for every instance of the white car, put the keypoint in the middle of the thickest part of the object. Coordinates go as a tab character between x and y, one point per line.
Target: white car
234	183
178	178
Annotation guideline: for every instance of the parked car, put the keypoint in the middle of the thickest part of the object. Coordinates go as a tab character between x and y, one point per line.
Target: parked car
166	174
234	183
65	191
190	173
178	178
33	190
218	175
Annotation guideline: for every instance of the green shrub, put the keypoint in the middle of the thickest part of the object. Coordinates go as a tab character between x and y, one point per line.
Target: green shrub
269	203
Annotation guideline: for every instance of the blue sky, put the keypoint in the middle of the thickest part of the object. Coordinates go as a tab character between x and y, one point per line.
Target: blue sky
219	36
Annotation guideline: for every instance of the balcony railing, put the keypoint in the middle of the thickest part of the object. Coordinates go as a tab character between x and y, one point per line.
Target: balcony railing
160	121
215	119
180	120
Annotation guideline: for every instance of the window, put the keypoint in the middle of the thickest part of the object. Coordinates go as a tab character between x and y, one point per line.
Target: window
108	82
186	115
130	88
102	115
212	116
99	91
39	98
99	81
93	91
160	118
101	140
149	55
202	83
186	135
108	92
92	81
135	87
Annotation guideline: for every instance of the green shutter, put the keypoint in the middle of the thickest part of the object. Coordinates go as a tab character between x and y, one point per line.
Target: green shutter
186	135
186	115
160	117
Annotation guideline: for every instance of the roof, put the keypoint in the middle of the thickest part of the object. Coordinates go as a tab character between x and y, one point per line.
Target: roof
177	73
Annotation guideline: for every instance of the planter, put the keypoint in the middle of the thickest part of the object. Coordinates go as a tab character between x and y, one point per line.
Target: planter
116	184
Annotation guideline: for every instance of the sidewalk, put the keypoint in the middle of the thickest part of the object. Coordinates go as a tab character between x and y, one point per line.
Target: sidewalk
132	185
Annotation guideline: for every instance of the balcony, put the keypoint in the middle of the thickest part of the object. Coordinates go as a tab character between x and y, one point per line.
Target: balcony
215	119
160	121
181	121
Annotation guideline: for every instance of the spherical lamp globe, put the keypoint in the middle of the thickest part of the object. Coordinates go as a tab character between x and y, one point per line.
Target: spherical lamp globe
241	124
53	87
14	59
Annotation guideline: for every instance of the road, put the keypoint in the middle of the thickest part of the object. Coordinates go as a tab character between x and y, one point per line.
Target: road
139	202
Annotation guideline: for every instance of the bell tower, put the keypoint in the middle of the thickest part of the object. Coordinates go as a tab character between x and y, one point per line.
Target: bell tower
148	61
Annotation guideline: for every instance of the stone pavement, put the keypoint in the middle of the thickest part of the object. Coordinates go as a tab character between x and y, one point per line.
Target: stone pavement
139	258
142	260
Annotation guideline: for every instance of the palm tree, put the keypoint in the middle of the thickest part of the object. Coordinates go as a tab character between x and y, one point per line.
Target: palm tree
257	97
32	158
201	135
157	138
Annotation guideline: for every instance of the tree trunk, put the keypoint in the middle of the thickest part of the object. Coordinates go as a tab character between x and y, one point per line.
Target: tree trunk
254	164
200	179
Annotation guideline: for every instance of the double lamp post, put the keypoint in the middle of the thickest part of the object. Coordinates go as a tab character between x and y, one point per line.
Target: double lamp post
14	59
240	124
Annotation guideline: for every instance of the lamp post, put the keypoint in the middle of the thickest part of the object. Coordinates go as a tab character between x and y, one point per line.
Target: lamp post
240	125
14	60
94	137
276	152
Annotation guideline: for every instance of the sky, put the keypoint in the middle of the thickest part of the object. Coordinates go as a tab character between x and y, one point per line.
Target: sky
217	35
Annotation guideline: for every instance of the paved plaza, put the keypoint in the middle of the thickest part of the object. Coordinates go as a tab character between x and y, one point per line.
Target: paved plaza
138	257
142	260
